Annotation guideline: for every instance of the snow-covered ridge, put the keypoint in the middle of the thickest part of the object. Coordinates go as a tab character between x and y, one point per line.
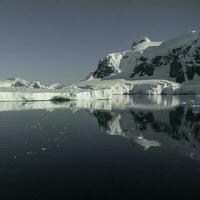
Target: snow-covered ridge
144	43
177	60
119	63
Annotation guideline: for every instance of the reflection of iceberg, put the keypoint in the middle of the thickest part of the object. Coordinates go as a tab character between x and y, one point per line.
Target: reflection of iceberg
117	102
50	105
20	106
150	102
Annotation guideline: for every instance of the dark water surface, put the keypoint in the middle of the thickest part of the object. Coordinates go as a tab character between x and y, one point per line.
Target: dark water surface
131	148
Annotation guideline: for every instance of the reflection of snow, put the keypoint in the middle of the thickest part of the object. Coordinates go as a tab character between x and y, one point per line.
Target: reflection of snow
114	126
117	102
146	144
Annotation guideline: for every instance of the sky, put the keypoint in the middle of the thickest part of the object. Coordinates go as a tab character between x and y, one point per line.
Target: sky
63	40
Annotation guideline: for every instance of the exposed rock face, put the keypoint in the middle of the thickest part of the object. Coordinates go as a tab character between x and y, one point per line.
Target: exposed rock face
103	69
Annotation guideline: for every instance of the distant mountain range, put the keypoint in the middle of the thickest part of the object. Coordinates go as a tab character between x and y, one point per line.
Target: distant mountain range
17	82
21	83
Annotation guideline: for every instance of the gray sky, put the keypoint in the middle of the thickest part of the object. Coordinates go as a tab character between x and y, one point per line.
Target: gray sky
63	40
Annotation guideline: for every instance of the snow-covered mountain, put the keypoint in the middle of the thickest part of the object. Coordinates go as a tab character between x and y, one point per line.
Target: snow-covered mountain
177	59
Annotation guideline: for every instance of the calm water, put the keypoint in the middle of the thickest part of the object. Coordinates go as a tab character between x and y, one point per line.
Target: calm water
130	148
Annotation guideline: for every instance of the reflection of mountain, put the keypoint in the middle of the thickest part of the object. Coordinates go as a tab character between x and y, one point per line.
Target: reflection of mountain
175	127
182	124
121	124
